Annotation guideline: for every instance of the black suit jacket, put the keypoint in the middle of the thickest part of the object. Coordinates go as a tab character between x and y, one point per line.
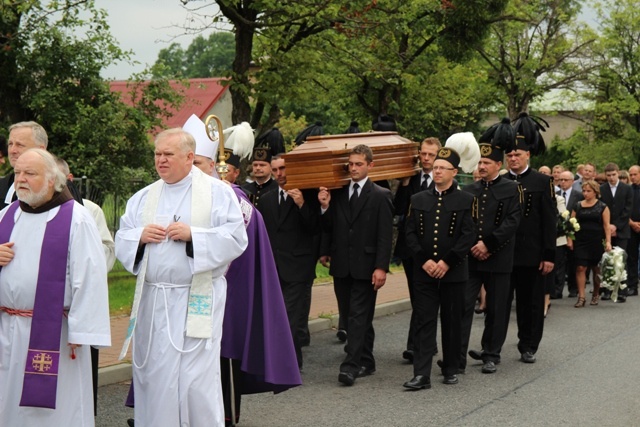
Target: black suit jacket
292	232
620	207
401	202
574	198
440	227
359	242
5	183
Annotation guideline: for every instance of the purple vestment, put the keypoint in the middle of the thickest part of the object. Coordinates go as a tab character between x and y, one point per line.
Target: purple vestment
256	328
41	367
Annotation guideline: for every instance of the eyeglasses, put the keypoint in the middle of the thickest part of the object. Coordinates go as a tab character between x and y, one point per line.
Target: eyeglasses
442	168
564	179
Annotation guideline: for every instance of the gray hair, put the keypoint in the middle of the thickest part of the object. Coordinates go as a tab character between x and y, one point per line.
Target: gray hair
52	171
187	142
39	134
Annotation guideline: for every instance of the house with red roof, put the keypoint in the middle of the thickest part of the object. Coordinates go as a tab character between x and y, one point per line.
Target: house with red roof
202	97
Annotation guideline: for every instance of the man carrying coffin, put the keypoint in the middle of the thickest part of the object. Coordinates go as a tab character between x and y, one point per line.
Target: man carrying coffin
53	300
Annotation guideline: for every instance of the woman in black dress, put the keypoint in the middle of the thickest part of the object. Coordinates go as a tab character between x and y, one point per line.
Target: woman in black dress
593	216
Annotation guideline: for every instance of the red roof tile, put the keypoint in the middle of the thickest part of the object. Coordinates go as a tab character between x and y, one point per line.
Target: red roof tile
199	97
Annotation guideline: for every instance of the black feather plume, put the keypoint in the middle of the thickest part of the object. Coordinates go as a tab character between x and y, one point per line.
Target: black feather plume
353	128
385	123
272	139
528	130
501	135
313	130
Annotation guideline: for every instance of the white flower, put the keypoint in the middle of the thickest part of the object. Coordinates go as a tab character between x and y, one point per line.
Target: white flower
573	221
565	215
576	227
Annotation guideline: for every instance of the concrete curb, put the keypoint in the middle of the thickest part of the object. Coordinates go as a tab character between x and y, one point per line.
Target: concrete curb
123	371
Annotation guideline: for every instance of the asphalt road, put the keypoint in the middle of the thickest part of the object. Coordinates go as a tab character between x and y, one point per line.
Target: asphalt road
587	374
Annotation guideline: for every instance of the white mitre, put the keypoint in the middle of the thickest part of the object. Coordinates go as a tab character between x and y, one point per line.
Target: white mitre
204	146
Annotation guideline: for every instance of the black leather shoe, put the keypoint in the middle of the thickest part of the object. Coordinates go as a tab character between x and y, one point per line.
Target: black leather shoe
342	335
365	372
418	383
489	367
475	354
528	357
130	422
408	355
605	295
632	292
450	380
346	378
621	299
573	294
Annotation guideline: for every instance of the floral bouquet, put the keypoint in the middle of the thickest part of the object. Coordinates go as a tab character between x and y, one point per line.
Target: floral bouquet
567	226
613	272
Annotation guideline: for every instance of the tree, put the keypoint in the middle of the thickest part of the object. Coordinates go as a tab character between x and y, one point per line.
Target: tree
401	58
285	24
52	75
612	131
536	47
210	57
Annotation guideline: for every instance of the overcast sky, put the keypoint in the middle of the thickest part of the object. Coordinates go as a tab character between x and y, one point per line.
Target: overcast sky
146	26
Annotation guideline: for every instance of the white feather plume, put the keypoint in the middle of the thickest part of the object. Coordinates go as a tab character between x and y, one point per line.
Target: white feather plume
467	147
240	139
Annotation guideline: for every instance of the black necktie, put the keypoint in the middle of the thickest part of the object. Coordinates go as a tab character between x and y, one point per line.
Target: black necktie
281	197
354	197
564	195
425	182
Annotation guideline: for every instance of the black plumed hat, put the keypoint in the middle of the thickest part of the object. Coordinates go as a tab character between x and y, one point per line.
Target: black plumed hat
497	140
313	130
384	122
273	140
353	128
528	136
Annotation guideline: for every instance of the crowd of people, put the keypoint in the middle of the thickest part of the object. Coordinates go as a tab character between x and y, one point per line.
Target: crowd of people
224	272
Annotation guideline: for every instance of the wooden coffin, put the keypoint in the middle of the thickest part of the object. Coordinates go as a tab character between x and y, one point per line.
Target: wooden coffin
322	160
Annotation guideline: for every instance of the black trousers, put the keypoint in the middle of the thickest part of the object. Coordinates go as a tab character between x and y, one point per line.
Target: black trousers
560	270
358	299
304	337
449	299
528	285
497	309
294	294
408	271
632	260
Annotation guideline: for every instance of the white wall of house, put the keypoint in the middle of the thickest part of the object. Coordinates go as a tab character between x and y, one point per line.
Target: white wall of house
223	109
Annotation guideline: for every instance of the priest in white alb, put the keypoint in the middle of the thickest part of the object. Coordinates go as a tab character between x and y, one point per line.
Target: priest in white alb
179	235
54	300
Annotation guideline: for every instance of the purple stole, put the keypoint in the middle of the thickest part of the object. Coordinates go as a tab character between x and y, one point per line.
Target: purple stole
41	370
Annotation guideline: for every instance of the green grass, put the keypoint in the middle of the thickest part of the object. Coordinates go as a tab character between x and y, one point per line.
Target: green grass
122	285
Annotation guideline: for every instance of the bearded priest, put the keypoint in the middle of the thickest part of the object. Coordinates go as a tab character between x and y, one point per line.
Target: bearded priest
53	300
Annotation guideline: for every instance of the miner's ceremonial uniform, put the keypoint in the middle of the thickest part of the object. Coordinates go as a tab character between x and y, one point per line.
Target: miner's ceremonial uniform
497	217
535	242
439	227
